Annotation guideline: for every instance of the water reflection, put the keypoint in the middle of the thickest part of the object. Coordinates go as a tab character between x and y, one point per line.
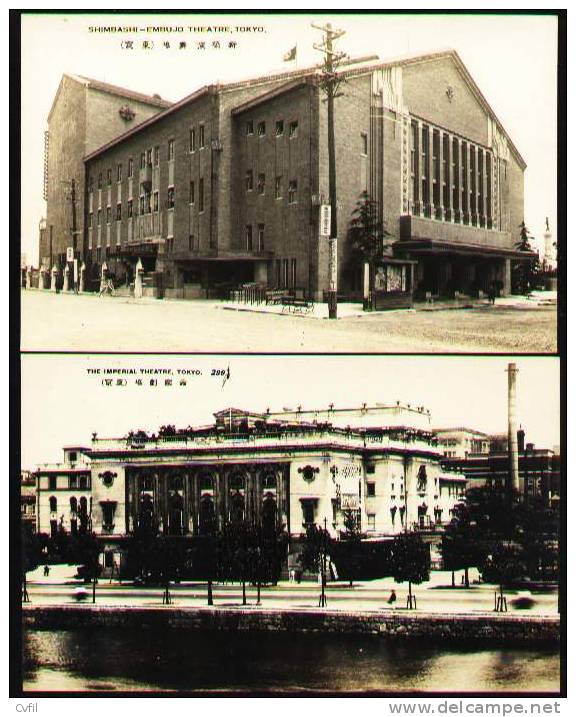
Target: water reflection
109	659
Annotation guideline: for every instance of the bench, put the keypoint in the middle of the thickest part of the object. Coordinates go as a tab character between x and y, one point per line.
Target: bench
290	303
275	296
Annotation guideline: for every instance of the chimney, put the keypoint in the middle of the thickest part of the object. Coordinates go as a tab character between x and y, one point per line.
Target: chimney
513	479
521	437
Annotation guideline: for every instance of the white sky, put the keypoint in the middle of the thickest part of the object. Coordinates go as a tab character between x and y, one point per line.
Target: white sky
63	405
512	58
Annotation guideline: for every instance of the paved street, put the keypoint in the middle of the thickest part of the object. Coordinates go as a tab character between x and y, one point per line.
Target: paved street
435	596
89	323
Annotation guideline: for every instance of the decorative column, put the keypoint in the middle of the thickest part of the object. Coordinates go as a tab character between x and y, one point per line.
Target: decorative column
441	178
53	278
82	283
66	285
485	186
419	172
138	280
466	187
449	210
431	170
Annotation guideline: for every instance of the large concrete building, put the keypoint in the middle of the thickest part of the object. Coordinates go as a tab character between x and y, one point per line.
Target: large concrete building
85	114
225	186
296	468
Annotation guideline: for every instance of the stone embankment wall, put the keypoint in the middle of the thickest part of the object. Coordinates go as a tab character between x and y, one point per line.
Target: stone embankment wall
497	628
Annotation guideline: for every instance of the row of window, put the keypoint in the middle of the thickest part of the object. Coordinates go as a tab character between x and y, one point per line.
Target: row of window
73	482
148	158
79	507
279	128
278	186
468	197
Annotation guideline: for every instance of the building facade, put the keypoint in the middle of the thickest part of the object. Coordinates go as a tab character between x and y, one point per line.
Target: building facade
294	468
85	114
225	187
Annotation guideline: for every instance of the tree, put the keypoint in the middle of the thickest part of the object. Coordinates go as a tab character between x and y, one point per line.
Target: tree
366	234
352	532
410	562
525	272
461	544
504	564
313	556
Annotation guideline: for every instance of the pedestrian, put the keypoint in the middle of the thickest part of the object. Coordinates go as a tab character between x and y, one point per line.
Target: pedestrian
46	571
492	293
392	598
292	576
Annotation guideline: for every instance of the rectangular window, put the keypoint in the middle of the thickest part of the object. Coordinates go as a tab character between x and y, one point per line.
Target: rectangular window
192	140
192	193
364	143
278	188
201	195
170	244
293	131
130	208
292	272
249	128
170	201
260	237
170	150
156	201
119	173
371	489
91	219
142	160
261	183
108	177
201	138
261	129
99	217
73	482
249	237
99	180
108	214
130	167
249	180
90	184
149	157
51	482
118	212
141	204
279	128
292	191
371	521
191	242
156	156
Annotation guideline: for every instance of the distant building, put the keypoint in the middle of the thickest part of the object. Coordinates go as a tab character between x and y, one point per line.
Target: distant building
295	467
459	442
85	114
225	186
28	499
539	469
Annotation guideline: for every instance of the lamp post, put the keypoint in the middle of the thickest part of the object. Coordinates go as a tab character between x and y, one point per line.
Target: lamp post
323	602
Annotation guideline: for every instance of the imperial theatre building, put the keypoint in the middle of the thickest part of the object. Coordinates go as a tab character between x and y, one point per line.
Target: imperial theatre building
295	468
225	187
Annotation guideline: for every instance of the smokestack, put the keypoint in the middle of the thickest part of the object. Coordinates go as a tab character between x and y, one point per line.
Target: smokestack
513	479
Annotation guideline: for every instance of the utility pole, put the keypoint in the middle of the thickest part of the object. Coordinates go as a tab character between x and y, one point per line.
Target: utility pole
330	84
75	274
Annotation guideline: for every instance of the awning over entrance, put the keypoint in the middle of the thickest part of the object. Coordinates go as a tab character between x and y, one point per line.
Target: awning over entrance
432	246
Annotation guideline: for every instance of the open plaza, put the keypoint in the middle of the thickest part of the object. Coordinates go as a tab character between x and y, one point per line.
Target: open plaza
70	322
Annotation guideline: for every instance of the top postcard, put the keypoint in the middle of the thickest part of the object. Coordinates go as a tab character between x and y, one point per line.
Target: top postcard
289	183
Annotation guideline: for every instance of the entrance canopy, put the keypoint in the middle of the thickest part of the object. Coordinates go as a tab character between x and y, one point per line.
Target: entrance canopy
433	246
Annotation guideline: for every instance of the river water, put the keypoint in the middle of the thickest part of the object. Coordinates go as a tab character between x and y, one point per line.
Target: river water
111	660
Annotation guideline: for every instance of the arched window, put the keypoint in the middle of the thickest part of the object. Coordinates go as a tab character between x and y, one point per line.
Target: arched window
237	481
53	504
269	514
83	505
269	481
237	508
73	505
207	522
206	481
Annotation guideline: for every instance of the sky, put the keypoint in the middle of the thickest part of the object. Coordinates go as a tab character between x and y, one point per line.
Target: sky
62	404
511	57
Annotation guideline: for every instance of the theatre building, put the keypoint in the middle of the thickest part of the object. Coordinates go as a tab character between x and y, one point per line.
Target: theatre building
294	468
225	187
